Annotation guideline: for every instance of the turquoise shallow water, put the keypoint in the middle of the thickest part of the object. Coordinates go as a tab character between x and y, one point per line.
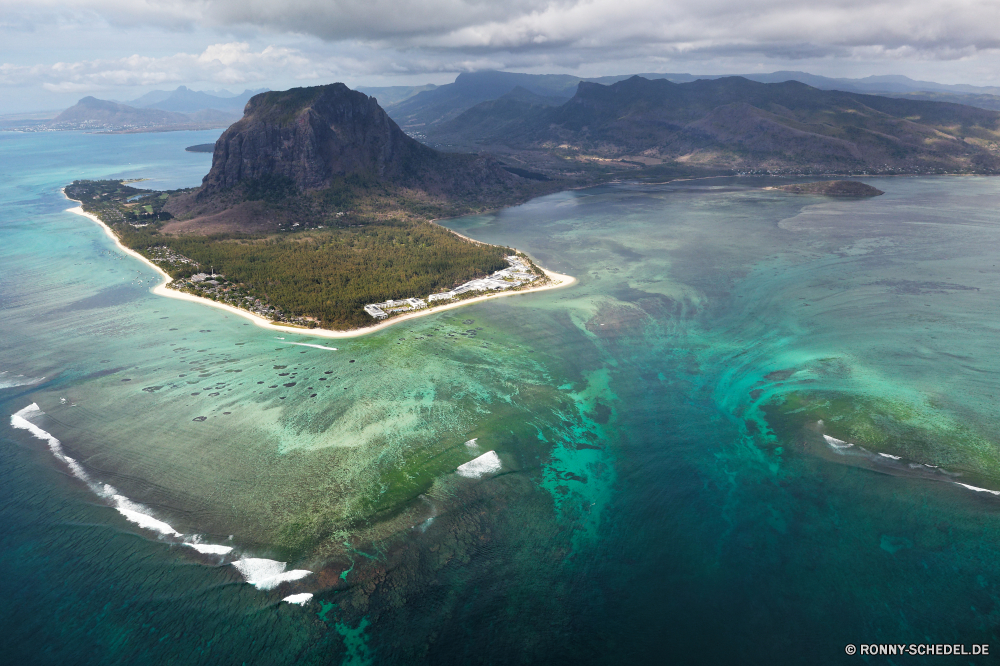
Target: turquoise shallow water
666	491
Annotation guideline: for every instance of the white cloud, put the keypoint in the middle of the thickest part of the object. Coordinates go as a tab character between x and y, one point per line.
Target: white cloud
277	43
929	27
231	63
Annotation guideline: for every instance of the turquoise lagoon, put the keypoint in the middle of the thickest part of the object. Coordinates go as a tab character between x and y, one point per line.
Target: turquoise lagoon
759	428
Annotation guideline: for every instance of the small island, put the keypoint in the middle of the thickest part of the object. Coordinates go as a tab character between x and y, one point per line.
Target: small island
201	148
833	188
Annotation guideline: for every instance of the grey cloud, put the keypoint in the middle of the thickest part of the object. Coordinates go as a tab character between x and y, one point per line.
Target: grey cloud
324	40
752	26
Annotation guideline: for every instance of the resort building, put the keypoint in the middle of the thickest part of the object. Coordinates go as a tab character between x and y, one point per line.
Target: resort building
515	275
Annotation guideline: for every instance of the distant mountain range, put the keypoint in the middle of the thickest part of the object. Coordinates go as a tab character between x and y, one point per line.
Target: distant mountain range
419	111
182	108
387	96
185	100
91	112
891	84
443	103
735	123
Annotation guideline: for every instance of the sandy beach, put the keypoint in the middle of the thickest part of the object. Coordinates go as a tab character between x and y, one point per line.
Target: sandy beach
556	280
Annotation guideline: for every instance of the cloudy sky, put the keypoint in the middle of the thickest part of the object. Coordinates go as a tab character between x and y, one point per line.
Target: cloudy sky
52	52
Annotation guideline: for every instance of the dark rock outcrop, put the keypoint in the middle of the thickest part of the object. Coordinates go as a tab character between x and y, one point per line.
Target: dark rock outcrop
834	188
314	136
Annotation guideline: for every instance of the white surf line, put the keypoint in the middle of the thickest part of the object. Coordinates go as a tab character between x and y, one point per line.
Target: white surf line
194	541
978	490
262	573
837	444
133	512
306	344
8	381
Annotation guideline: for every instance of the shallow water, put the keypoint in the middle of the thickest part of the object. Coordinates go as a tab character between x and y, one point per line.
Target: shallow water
665	491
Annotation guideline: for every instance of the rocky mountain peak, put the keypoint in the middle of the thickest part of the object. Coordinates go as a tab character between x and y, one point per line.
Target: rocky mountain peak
311	136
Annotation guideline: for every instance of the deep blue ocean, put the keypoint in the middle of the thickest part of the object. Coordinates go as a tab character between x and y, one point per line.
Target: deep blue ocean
760	428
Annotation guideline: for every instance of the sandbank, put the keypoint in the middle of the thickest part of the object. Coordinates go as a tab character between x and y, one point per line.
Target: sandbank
556	280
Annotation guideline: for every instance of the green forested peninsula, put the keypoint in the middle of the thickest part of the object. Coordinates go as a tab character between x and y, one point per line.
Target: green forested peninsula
317	277
316	205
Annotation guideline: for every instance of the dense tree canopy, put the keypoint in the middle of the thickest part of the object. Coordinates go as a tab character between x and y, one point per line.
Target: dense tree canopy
326	274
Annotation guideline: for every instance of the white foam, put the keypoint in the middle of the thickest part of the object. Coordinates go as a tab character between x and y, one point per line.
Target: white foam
472	443
306	344
10	381
837	443
133	512
889	455
979	490
209	549
267	574
487	463
20	421
301	599
261	573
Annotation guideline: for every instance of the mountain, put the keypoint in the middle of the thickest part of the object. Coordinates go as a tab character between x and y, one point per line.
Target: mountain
214	117
739	123
904	84
493	119
419	112
308	152
389	96
185	100
94	112
870	84
982	101
149	98
446	102
521	94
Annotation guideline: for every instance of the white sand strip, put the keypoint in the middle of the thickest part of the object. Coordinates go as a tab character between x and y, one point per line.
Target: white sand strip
556	280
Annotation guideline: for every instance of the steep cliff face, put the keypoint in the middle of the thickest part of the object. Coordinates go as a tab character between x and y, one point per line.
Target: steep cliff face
329	156
313	135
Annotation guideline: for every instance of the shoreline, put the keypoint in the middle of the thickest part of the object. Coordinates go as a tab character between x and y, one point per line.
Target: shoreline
557	280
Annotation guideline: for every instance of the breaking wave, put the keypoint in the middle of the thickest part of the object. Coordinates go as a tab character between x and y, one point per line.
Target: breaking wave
306	344
8	380
261	573
487	463
267	574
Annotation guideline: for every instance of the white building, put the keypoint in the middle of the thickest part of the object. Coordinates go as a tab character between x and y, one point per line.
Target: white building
516	274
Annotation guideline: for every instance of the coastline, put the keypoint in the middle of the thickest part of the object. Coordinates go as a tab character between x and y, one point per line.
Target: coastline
556	281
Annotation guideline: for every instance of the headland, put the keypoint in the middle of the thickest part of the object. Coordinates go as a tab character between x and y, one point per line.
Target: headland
552	280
